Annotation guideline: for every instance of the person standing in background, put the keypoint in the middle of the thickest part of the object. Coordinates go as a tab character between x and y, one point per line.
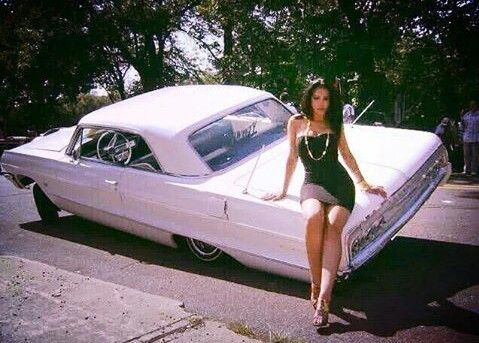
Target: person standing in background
348	114
447	132
470	122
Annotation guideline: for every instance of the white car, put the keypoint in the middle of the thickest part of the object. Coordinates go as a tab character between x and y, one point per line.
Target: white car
190	164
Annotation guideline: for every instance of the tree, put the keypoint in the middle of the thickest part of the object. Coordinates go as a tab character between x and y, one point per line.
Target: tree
139	33
423	50
44	56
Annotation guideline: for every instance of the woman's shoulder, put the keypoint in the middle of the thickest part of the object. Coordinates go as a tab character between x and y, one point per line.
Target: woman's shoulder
297	120
298	116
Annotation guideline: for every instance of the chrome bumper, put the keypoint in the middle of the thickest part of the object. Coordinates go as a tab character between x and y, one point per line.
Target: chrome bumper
381	226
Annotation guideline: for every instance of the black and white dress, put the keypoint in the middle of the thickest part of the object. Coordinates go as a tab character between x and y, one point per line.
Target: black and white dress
325	178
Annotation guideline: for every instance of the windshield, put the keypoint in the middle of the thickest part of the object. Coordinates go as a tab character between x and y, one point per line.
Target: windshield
241	133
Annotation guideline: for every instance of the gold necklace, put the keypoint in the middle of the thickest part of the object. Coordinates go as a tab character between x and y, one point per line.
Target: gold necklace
307	144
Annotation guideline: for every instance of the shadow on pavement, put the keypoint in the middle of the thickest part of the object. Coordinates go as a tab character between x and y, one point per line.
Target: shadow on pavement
407	285
462	179
469	195
76	229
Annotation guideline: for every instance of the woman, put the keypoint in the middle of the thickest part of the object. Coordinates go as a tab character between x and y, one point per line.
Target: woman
328	193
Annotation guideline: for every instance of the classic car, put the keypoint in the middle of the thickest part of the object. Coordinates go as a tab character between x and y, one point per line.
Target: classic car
189	164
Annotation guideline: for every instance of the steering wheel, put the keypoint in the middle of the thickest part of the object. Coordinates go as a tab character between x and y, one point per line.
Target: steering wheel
113	147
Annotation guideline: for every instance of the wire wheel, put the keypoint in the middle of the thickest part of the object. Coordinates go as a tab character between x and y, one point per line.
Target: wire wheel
204	251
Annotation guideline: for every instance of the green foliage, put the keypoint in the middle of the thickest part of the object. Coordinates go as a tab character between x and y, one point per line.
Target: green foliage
424	52
44	57
73	109
139	34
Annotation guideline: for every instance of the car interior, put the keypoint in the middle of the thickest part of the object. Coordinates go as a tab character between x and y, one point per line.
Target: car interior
125	149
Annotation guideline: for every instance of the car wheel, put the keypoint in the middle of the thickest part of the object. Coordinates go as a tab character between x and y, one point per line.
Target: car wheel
204	251
46	209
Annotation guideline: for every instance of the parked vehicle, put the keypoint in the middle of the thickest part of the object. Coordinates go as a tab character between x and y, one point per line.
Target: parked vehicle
189	164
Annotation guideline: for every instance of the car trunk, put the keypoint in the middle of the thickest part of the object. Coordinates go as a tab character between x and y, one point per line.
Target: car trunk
387	162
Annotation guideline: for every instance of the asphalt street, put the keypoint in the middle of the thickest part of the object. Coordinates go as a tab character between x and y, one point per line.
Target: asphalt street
424	286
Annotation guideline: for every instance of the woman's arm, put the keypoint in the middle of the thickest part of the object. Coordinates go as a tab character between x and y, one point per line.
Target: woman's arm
291	161
293	152
352	165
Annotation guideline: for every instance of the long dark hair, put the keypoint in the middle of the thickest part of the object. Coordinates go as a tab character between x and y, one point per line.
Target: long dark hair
334	116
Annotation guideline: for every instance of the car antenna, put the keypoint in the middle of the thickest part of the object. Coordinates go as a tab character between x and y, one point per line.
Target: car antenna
245	190
359	116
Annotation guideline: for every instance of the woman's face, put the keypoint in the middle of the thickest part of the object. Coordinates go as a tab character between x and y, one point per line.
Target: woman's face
320	103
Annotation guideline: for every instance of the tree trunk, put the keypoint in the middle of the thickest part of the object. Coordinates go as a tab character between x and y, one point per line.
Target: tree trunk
228	51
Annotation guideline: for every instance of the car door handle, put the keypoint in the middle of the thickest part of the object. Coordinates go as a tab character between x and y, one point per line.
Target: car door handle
111	182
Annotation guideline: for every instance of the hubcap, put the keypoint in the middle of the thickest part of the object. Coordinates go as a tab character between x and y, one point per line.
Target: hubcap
202	250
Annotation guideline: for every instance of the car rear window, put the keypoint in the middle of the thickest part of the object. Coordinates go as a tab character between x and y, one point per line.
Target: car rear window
241	133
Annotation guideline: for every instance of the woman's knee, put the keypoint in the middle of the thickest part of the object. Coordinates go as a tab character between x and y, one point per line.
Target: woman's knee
313	215
314	224
337	219
334	231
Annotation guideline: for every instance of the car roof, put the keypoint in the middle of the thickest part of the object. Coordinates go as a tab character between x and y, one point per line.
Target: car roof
171	109
165	118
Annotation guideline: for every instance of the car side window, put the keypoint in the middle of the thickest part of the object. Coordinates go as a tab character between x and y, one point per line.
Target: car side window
117	147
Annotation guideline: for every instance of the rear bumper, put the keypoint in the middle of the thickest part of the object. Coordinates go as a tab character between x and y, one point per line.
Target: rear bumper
370	237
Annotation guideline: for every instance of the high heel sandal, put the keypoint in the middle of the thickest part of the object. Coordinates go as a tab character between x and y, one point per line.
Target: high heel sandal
321	314
315	289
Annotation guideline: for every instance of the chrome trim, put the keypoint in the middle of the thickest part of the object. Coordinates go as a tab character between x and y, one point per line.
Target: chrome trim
383	224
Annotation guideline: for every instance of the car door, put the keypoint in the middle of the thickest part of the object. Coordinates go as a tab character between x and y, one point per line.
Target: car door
90	182
157	203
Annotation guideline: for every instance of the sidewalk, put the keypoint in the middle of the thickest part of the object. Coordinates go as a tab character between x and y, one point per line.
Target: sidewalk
40	303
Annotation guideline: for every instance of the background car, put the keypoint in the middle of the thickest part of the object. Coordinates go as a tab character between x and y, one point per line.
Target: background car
189	165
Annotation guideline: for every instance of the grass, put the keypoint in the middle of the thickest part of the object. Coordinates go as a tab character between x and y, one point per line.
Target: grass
195	321
273	337
241	329
280	337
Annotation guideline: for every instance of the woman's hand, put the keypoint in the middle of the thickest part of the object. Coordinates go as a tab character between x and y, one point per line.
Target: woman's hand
274	196
378	190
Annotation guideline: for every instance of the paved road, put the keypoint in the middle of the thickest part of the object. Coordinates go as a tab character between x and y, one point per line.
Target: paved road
422	287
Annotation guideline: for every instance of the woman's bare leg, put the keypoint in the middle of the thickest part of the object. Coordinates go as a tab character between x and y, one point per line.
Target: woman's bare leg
336	218
314	215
